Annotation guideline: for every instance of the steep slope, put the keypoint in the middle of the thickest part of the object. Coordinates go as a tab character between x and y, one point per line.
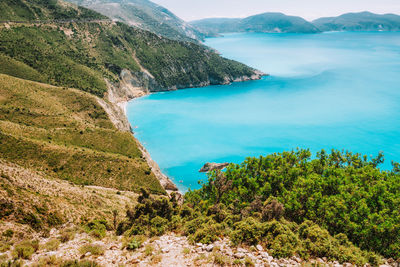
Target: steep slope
29	10
363	21
66	134
83	54
146	15
266	22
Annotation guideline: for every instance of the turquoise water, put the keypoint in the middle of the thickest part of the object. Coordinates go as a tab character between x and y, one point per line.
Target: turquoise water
331	90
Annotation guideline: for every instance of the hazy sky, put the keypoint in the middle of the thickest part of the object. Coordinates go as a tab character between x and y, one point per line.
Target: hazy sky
308	9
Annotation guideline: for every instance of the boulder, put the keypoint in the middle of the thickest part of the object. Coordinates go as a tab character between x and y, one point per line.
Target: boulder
239	255
213	166
209	248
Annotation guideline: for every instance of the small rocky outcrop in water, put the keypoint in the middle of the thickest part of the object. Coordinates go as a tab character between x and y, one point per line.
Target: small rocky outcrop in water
210	166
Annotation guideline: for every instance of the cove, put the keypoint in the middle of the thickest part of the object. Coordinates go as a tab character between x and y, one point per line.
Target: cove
336	90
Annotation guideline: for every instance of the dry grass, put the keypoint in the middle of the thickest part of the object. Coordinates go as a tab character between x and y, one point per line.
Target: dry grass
68	135
32	190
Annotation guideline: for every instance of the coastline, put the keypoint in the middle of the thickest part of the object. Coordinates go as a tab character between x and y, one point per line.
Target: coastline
115	104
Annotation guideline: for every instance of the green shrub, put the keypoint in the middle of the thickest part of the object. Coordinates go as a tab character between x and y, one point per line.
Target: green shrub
67	235
77	263
31	219
248	231
193	225
25	249
342	192
148	250
54	219
52	244
220	259
208	233
97	228
9	233
94	249
133	244
158	225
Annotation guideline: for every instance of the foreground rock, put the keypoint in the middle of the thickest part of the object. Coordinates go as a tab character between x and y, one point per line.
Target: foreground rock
168	250
213	166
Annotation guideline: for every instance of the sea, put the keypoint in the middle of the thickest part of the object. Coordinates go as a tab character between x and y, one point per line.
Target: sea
336	90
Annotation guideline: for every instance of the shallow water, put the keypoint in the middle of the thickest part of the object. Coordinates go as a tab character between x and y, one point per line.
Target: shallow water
330	90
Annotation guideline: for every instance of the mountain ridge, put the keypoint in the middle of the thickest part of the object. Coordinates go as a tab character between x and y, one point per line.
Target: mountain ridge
146	15
279	22
264	22
359	21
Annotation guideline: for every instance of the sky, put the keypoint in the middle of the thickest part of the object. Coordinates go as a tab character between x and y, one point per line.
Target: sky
308	9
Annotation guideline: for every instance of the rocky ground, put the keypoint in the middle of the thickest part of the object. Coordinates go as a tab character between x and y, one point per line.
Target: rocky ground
167	250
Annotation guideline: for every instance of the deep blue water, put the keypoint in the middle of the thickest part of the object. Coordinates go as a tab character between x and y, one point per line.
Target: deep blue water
330	90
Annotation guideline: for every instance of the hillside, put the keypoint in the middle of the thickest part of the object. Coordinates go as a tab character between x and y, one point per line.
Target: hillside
30	10
83	54
146	15
266	22
66	134
363	21
91	53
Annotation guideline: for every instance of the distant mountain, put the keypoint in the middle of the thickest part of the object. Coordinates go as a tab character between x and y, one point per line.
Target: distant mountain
146	15
266	22
364	21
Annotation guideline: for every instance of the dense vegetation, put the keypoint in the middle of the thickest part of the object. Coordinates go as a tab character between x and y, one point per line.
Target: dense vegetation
30	10
338	205
67	134
82	54
342	192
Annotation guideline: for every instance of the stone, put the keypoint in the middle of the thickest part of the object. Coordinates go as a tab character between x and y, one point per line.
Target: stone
297	259
242	250
259	248
165	250
209	248
239	255
213	166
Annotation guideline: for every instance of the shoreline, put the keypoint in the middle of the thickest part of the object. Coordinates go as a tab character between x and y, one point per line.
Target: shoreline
116	108
117	99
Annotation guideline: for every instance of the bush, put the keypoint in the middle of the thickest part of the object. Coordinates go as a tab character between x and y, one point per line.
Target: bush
54	219
76	263
25	249
94	249
97	228
158	225
248	231
9	233
134	243
342	192
220	259
272	209
67	235
208	233
52	244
